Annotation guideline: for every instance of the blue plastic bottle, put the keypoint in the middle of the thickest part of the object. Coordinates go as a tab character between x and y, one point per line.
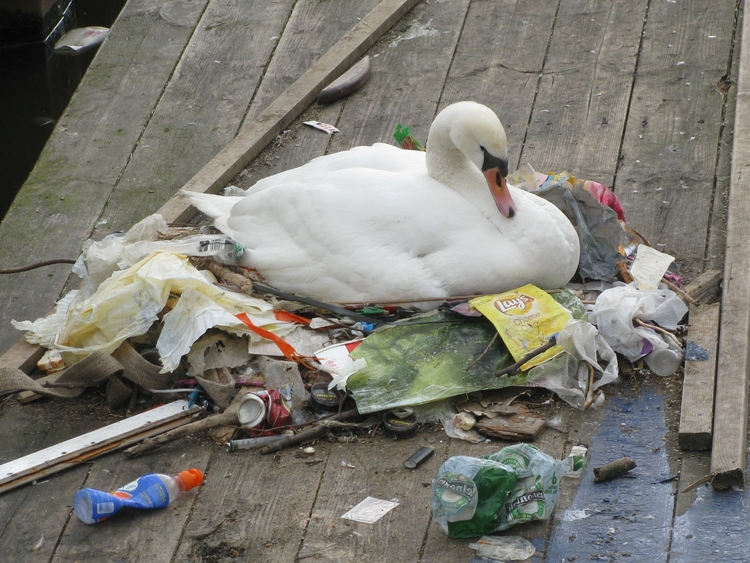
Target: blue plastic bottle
154	490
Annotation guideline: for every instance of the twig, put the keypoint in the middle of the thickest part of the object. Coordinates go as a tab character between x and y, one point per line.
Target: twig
150	444
309	434
590	389
483	354
698	483
679	291
640	236
659	329
20	269
593	399
513	368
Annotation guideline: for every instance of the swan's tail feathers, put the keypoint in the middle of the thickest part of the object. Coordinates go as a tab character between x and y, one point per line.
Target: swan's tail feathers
212	205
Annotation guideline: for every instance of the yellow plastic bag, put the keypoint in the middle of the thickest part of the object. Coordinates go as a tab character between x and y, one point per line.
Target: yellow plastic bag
525	318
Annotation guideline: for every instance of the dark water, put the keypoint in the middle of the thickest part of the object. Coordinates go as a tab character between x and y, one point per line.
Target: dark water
35	87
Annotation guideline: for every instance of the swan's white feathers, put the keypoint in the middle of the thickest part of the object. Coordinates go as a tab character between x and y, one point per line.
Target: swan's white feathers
371	225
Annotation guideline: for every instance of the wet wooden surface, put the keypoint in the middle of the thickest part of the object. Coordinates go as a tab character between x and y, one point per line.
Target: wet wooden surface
623	93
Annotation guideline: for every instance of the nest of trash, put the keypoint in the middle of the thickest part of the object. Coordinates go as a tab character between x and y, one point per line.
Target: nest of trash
180	319
167	312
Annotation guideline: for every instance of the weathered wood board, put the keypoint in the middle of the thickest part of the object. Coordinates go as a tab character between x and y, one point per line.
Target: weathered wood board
697	412
665	179
728	455
629	516
201	108
584	90
62	200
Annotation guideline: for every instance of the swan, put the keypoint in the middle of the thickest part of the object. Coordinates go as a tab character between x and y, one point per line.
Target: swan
378	224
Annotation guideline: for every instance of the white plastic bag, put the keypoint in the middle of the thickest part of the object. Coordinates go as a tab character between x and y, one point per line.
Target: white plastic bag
617	308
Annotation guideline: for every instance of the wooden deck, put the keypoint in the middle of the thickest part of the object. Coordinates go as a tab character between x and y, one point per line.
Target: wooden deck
624	93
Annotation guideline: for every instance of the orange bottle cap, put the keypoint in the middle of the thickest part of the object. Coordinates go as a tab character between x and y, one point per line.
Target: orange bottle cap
192	478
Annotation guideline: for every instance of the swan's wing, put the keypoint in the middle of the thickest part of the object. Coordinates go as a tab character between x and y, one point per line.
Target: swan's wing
376	157
343	234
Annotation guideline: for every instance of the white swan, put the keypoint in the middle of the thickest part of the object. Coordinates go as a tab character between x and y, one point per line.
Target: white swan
379	224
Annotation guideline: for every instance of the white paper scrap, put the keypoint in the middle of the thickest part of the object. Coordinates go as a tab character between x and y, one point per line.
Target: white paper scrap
370	510
649	267
330	129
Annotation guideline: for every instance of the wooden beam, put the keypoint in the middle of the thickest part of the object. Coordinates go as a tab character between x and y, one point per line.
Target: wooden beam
82	448
299	96
728	456
696	415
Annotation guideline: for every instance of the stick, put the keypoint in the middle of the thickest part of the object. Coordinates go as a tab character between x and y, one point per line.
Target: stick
510	370
487	349
680	292
614	469
309	434
698	483
590	389
659	329
150	444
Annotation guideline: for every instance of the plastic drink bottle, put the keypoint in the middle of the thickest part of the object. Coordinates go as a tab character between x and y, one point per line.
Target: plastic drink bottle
154	490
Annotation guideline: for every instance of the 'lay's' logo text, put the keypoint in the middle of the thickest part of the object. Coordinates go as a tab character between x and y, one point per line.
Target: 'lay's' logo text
514	305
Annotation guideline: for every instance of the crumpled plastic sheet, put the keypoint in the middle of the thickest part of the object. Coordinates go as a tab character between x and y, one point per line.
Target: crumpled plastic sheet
567	375
598	229
128	303
424	360
593	209
616	308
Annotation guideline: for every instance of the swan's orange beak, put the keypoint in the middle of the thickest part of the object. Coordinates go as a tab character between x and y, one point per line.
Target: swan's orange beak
500	192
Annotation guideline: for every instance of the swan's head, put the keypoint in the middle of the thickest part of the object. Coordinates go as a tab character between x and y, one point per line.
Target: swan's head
476	131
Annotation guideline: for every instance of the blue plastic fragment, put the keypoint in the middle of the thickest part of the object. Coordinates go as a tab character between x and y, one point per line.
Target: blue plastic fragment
695	352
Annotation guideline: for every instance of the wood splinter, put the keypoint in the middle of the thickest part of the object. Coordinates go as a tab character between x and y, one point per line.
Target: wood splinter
614	469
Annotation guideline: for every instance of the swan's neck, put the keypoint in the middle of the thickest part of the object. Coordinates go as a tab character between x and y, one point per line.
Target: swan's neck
449	165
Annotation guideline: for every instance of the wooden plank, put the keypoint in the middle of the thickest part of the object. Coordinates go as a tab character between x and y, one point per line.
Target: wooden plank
81	444
326	70
258	506
697	412
55	467
28	513
58	206
373	468
502	73
584	91
319	25
144	536
202	106
666	176
313	29
253	138
406	83
705	286
32	518
728	459
22	355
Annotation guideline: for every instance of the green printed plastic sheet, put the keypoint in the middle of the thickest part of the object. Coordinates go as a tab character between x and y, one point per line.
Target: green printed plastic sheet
429	359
